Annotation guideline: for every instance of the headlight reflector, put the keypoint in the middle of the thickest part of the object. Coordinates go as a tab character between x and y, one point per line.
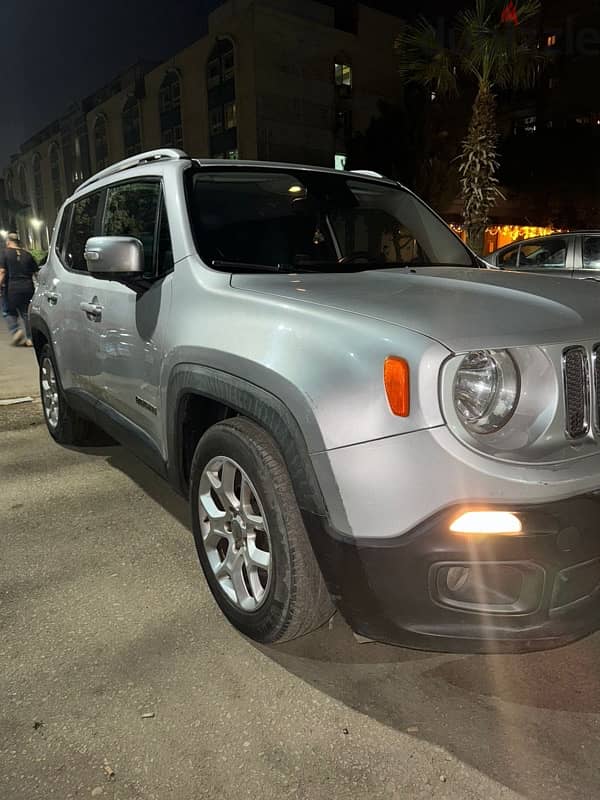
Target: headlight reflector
486	390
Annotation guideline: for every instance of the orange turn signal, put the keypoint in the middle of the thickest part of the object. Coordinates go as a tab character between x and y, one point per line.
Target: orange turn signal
396	378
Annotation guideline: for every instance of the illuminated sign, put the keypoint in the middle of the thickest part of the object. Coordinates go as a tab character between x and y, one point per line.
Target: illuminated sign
509	13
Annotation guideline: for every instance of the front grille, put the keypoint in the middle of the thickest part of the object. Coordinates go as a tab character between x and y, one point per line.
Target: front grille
596	362
577	391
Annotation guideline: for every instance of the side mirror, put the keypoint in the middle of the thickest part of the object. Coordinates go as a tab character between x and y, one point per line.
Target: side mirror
114	256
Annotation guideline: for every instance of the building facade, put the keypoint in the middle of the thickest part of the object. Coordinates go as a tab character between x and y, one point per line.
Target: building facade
288	80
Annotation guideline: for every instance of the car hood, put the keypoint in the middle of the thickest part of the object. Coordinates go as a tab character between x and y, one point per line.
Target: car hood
461	308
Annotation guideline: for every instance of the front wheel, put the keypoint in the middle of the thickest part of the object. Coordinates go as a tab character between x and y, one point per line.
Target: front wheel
250	537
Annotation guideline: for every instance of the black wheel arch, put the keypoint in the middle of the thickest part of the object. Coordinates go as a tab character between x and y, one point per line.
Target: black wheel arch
244	398
40	334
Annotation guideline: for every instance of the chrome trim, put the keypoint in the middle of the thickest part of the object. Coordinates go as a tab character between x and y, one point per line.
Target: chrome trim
596	387
586	389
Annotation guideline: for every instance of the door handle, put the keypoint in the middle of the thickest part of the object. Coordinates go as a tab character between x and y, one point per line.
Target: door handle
92	310
52	298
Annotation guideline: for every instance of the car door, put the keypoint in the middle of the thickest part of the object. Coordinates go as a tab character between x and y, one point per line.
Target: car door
588	256
134	315
67	288
551	255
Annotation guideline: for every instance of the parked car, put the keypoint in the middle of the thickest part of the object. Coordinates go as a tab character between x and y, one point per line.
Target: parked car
571	255
361	417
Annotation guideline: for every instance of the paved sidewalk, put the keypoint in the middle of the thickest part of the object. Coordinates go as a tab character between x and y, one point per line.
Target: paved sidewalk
18	368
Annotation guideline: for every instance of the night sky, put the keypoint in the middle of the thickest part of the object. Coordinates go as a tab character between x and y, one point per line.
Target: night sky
54	52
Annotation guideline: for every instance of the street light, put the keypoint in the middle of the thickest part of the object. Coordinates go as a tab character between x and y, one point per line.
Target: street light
36	223
3	233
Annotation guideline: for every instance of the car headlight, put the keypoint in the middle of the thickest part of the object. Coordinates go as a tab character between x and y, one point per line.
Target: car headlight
486	390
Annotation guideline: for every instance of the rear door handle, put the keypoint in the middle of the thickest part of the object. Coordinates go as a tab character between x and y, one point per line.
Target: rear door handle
52	298
92	310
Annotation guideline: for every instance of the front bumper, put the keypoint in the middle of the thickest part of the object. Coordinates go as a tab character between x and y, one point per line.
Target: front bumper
529	592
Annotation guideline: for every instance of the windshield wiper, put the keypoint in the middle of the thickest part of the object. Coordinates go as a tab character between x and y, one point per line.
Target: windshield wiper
247	267
354	266
243	266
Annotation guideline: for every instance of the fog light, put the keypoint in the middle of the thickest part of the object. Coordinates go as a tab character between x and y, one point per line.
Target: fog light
488	587
456	578
484	522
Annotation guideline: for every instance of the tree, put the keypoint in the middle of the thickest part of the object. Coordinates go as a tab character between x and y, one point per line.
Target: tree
493	48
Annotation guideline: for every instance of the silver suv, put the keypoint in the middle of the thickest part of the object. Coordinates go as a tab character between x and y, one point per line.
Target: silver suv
361	416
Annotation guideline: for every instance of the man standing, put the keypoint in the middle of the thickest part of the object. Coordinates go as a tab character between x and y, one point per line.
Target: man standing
17	268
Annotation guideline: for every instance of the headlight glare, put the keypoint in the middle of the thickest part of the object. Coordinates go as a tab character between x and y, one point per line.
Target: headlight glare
486	390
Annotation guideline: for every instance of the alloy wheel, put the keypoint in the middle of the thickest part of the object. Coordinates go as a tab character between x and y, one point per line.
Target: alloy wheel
50	397
235	533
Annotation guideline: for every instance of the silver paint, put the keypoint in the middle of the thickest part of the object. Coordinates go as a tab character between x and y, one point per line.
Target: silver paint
318	343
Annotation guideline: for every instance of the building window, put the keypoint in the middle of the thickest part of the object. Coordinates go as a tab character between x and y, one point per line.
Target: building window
9	186
170	93
525	125
340	161
171	128
213	73
37	185
343	75
23	186
132	139
221	67
101	143
230	115
551	40
228	65
78	173
222	107
233	155
215	120
55	176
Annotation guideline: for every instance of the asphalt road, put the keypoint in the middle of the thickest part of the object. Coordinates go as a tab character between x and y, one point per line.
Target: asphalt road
105	619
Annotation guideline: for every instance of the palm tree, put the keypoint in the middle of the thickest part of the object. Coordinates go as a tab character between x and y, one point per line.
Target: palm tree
494	50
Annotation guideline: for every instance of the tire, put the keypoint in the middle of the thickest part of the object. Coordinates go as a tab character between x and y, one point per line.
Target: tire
64	425
294	598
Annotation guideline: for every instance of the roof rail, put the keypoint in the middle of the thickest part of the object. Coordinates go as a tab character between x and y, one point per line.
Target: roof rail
368	172
164	153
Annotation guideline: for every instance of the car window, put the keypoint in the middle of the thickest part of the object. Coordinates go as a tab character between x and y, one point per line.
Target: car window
132	210
164	260
591	252
548	253
62	232
319	221
83	225
508	258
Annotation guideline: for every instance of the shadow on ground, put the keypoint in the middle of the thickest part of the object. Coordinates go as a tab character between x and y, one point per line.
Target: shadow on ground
506	715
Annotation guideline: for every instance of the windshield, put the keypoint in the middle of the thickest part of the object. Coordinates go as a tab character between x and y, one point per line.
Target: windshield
319	221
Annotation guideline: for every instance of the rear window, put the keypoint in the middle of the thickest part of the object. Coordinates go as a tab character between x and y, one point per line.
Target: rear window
319	221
